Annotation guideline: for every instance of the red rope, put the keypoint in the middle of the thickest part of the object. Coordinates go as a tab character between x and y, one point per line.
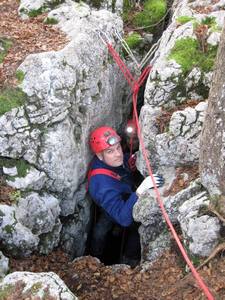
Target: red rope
126	72
135	85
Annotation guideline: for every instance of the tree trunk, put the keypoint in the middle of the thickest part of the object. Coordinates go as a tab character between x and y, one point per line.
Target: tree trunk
212	144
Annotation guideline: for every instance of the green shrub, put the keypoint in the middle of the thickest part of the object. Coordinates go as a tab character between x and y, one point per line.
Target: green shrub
35	12
186	52
127	8
184	19
10	98
5	44
50	21
133	40
209	21
153	12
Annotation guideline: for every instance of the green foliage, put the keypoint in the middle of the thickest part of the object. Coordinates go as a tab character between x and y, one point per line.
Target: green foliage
152	13
22	166
184	19
127	8
5	291
20	75
209	21
10	98
5	44
8	229
50	21
133	40
187	53
35	12
15	196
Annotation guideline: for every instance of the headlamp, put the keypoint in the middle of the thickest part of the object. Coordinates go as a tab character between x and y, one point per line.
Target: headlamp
113	140
129	129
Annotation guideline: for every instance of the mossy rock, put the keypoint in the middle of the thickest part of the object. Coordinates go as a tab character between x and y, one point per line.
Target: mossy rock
187	53
152	13
21	165
11	98
5	45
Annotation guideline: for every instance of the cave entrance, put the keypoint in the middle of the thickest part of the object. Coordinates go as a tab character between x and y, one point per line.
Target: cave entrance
112	243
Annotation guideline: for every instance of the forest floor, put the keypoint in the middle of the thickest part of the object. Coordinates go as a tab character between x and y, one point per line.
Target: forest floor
88	278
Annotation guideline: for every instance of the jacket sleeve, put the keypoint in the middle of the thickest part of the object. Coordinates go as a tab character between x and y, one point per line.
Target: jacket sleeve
106	193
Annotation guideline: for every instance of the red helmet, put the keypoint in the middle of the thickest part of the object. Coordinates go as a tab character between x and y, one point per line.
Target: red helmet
102	138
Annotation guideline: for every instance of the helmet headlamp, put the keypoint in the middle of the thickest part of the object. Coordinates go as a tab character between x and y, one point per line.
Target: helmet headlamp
112	140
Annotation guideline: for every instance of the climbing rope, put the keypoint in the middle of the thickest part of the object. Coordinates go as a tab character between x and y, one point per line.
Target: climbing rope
135	86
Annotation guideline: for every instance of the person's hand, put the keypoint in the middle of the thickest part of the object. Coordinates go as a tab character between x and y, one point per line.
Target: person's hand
147	183
132	162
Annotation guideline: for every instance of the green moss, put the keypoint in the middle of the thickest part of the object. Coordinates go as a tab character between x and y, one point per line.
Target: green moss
5	44
20	75
152	13
184	19
8	229
5	291
133	40
187	53
22	166
10	98
50	21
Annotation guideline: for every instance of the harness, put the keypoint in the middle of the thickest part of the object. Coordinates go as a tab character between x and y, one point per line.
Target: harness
102	171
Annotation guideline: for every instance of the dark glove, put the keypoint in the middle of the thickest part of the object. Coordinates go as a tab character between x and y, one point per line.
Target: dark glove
132	162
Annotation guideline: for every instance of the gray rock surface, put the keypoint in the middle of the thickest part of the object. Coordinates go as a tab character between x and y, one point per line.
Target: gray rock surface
36	285
4	265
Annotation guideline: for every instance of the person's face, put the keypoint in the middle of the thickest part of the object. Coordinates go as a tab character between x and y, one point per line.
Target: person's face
113	156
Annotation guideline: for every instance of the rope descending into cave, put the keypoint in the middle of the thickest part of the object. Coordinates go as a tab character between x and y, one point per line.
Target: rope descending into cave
135	85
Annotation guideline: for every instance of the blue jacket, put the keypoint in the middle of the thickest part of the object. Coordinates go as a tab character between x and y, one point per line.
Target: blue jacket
114	196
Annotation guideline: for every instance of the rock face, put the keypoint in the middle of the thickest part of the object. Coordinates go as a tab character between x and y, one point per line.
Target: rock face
44	143
172	118
35	286
69	93
212	140
4	265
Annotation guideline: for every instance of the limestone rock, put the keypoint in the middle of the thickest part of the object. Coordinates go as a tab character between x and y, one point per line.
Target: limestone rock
36	285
